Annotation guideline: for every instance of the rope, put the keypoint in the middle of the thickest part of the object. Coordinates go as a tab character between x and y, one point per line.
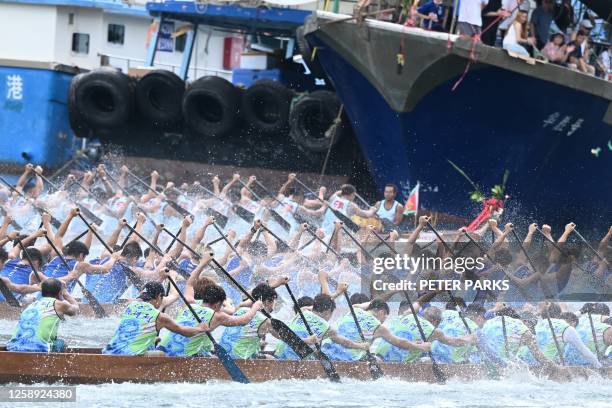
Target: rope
333	128
476	39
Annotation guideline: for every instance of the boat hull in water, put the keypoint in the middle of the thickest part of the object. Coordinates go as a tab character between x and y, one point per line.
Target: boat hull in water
548	126
88	366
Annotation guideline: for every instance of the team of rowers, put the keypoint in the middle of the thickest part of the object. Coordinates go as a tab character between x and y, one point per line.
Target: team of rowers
321	261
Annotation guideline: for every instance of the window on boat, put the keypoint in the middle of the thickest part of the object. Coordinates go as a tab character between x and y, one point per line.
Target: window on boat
80	43
116	33
179	43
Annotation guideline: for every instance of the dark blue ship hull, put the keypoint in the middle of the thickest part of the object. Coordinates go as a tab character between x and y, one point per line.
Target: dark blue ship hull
542	132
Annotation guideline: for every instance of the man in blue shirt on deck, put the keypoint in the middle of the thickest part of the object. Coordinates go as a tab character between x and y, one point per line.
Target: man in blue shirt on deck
433	15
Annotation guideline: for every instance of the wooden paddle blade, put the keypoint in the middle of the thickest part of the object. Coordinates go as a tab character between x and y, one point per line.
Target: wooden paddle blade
244	213
135	279
230	365
280	220
97	308
329	368
294	341
375	371
219	218
438	373
92	217
178	208
8	295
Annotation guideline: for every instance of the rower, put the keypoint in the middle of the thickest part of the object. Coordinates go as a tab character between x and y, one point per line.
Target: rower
565	334
603	333
389	210
141	322
244	341
406	328
207	300
38	324
452	325
508	332
370	316
318	319
342	201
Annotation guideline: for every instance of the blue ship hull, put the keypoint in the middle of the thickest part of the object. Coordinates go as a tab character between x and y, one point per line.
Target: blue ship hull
34	117
543	133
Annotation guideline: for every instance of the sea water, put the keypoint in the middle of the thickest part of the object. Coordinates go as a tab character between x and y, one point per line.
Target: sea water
516	390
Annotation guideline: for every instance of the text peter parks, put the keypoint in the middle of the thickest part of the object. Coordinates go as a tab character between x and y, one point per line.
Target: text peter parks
451	274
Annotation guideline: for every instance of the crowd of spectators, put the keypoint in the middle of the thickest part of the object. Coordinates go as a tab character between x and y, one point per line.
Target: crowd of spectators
550	31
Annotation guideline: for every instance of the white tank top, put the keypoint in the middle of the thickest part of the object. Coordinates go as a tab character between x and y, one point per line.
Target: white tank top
387	214
339	204
510	37
289	207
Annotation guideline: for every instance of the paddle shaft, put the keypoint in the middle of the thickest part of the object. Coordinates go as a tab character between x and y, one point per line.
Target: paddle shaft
356	241
40	210
594	334
318	238
29	259
436	369
345	219
95	305
88	213
597	254
127	237
266	207
558	248
135	279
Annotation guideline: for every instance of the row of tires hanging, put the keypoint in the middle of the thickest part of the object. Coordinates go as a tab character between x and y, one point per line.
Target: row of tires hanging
105	102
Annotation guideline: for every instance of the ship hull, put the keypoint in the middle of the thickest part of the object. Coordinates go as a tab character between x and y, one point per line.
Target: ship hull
496	119
34	124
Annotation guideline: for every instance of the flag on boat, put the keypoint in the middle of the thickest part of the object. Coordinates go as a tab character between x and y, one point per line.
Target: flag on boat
412	204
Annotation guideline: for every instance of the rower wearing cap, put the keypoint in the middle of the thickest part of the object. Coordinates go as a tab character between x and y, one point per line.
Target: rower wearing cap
141	322
38	324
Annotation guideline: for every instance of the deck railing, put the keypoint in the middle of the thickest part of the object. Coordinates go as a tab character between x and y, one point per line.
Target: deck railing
125	63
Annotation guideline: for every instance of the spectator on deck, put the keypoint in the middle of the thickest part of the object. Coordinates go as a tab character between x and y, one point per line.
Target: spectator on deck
605	61
541	19
492	14
578	58
556	50
433	15
512	7
516	39
469	21
564	15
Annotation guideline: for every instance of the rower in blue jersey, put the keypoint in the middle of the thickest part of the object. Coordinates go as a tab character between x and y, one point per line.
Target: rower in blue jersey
38	324
108	287
317	317
370	316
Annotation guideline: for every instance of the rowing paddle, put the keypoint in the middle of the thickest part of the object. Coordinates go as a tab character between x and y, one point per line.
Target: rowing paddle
96	220
230	365
135	279
276	216
284	332
14	224
38	209
329	368
346	220
375	370
91	299
172	203
10	299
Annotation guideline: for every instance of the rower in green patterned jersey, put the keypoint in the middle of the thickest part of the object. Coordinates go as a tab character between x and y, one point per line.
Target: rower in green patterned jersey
206	299
141	322
245	341
38	324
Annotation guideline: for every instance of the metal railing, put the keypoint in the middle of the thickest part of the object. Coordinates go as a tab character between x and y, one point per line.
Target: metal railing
125	63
